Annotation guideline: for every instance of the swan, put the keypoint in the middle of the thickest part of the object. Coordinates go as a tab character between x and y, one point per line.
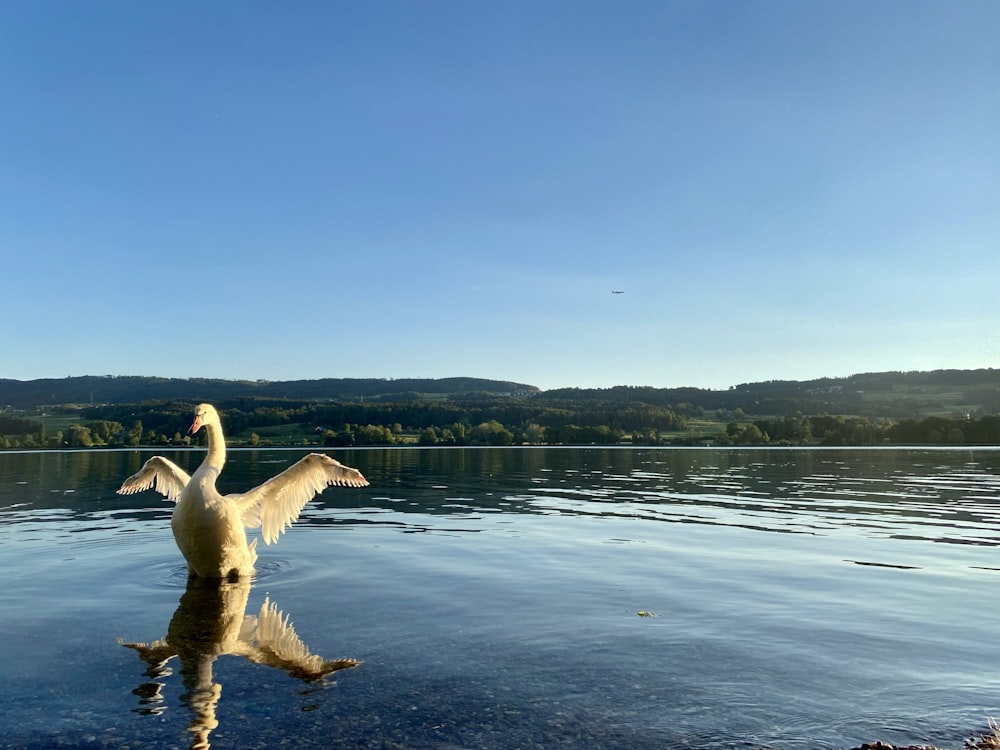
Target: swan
210	528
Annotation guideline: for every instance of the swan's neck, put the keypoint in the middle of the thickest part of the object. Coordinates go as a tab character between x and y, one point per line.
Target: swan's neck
216	447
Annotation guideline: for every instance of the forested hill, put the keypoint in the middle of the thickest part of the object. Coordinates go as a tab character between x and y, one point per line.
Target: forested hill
30	394
896	395
954	407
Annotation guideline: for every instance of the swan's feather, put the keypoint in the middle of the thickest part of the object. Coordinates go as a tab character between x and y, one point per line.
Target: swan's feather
155	654
167	477
270	638
275	504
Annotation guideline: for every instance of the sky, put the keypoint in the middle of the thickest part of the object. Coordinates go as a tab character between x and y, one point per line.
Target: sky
293	190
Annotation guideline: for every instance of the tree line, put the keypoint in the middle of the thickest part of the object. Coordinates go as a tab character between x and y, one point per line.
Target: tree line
894	395
483	422
127	389
828	430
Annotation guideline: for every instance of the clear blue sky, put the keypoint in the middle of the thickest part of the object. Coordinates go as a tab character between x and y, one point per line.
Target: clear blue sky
284	190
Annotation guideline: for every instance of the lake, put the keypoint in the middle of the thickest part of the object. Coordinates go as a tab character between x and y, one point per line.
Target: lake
515	598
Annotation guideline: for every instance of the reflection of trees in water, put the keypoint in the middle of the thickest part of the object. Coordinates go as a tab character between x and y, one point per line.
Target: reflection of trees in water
772	489
529	479
210	622
79	481
451	481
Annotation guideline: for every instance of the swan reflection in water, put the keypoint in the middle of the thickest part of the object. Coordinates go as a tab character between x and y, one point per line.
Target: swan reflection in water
210	622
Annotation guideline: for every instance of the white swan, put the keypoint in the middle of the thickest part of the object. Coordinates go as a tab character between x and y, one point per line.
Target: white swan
209	528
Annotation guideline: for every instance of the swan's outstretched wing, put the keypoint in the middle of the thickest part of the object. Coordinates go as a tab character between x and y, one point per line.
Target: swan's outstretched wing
276	503
169	478
269	638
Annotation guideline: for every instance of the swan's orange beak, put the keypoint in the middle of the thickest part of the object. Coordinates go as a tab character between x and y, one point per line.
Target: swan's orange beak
196	425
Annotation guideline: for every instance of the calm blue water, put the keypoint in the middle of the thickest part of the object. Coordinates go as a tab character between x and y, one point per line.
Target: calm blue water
800	599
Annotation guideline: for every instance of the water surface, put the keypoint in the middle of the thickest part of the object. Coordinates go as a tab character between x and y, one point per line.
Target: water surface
795	598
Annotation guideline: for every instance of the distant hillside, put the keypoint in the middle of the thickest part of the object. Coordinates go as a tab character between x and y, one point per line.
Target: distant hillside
944	407
893	395
89	389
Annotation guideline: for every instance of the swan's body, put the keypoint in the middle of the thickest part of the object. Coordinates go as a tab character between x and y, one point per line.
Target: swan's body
209	528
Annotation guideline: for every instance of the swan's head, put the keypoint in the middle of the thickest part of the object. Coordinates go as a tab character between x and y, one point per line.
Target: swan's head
203	414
